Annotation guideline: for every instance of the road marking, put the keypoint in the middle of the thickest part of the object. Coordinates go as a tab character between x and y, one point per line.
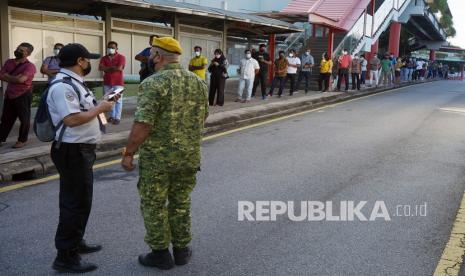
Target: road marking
455	110
210	137
452	256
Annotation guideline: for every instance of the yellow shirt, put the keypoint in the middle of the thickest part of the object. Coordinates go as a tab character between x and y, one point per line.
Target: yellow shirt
326	66
199	61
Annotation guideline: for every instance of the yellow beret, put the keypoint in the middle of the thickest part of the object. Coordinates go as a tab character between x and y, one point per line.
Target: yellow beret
168	44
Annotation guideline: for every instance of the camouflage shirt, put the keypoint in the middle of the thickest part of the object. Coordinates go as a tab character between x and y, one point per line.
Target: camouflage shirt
174	102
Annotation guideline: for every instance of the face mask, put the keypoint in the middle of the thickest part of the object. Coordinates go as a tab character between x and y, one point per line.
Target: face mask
197	54
307	53
56	52
291	55
111	51
248	56
345	53
18	54
217	56
87	70
356	57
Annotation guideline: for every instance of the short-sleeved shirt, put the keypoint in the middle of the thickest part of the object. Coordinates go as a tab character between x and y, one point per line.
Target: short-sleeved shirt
307	60
62	101
14	90
293	61
326	66
145	53
363	63
263	66
248	67
345	61
374	63
53	63
174	101
281	65
386	65
199	61
115	77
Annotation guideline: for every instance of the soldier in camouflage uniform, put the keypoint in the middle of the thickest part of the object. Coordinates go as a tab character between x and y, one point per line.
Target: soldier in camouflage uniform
171	110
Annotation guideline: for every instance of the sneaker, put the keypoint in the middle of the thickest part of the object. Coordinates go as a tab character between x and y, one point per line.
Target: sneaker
264	98
110	120
116	121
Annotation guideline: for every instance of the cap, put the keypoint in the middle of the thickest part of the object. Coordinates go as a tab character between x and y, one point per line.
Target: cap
168	44
73	51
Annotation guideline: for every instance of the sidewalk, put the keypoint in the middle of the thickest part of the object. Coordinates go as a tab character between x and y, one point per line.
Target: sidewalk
34	161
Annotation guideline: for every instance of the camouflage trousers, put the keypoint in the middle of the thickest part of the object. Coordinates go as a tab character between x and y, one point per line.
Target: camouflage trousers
165	206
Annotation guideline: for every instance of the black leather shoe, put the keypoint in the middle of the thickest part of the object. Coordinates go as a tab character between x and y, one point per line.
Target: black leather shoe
70	262
84	248
182	255
160	259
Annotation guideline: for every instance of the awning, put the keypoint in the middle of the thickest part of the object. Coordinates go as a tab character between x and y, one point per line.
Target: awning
239	24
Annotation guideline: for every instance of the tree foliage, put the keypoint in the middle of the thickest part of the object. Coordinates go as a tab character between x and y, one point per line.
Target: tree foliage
446	20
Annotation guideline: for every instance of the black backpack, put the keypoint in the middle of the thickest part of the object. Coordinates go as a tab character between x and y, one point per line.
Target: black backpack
43	124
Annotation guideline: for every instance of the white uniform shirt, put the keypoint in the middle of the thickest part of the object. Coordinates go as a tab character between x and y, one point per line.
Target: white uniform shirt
62	101
248	67
293	61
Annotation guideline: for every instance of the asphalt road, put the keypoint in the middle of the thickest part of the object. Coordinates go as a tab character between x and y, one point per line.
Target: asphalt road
399	148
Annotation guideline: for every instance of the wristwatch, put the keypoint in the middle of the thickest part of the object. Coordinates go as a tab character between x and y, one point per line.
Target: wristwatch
127	153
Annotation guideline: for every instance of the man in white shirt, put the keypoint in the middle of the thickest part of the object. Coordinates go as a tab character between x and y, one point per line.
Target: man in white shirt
293	63
248	69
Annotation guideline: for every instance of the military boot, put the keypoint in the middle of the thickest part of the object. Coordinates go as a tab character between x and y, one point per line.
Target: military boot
182	255
70	261
157	258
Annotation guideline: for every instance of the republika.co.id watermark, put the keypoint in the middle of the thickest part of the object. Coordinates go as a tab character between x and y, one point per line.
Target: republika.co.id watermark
326	211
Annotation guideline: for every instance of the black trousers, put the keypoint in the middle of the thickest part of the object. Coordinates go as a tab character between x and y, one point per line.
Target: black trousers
74	164
304	75
355	81
260	79
292	78
324	79
217	84
13	109
277	80
343	73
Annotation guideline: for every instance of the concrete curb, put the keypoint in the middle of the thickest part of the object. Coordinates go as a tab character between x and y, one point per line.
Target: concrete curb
36	162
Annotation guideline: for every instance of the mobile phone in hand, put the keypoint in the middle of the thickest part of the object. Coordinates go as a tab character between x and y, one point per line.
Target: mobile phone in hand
111	96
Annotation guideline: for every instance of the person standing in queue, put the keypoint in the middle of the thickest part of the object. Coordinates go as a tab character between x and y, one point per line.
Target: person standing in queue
219	73
18	72
146	67
50	66
171	111
198	64
264	61
73	153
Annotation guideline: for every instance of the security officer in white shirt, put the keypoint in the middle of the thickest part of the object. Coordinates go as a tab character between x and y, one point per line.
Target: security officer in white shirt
74	154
